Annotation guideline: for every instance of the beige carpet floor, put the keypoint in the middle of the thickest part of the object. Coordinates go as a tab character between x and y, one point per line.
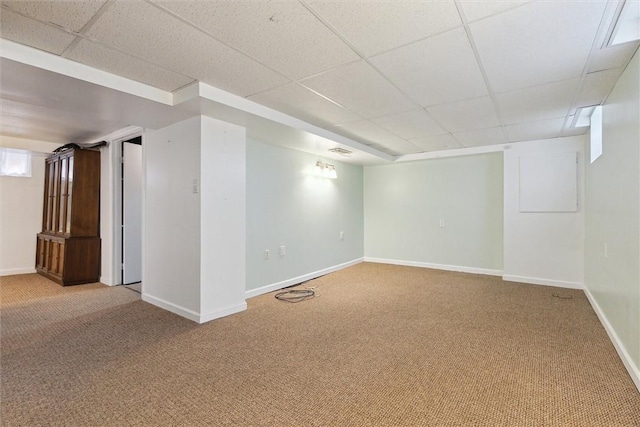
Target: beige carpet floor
380	345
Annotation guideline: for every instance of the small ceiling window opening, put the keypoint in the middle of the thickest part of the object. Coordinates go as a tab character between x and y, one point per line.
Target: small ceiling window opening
15	162
325	170
626	27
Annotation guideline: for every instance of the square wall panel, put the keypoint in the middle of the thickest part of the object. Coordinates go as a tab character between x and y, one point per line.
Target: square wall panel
410	124
300	102
548	101
437	70
475	113
72	14
113	61
360	88
282	35
537	43
26	31
377	26
145	31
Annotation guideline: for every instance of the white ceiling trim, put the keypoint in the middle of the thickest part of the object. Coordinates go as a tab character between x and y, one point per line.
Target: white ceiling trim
46	61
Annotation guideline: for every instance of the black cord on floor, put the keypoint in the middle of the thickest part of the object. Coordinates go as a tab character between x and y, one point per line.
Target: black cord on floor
295	295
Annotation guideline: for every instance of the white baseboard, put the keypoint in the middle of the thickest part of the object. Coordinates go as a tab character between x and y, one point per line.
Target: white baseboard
459	268
634	371
309	276
13	271
544	282
190	314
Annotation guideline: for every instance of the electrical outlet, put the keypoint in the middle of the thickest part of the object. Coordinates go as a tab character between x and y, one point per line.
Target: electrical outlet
443	223
266	254
283	251
342	235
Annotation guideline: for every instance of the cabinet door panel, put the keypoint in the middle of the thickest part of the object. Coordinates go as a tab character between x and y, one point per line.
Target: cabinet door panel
62	208
67	228
55	195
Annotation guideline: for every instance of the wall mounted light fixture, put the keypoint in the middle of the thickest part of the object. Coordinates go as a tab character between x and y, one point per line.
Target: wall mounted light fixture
325	170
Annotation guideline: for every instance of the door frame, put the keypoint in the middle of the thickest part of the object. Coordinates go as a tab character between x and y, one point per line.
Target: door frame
138	141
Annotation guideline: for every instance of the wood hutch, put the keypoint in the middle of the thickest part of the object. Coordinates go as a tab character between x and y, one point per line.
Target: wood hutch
68	248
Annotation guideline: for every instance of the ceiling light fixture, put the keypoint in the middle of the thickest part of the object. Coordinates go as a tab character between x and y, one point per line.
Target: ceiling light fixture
325	170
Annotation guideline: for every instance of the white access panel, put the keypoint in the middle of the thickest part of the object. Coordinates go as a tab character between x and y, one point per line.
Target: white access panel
549	182
132	213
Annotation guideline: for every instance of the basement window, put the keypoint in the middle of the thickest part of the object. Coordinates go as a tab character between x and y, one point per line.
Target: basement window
15	162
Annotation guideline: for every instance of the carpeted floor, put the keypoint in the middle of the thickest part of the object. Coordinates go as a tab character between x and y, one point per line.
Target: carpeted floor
380	346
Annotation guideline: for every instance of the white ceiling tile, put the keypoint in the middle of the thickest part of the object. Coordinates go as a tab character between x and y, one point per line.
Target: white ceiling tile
434	71
475	113
438	142
410	124
282	35
71	14
371	134
597	86
145	31
112	61
474	9
611	57
537	43
543	129
532	104
32	33
478	137
377	26
298	101
361	89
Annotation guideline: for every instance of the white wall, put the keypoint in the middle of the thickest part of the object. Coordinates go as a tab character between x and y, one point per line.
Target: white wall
21	211
612	276
543	247
404	204
288	206
171	230
194	228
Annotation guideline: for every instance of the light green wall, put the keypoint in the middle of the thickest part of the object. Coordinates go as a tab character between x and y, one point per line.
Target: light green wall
288	206
405	202
613	214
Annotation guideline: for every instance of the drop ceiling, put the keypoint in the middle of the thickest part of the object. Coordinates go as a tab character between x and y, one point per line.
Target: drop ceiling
386	78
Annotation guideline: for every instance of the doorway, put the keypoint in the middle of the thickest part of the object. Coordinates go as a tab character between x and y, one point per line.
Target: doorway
131	205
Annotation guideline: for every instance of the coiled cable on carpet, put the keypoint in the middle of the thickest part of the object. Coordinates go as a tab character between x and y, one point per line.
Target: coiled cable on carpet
295	295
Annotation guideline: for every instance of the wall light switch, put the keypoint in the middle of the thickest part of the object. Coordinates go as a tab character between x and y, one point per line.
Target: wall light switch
443	223
283	250
342	235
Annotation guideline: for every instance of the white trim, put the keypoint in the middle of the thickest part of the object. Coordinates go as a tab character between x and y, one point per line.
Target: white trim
190	314
456	152
460	268
14	271
223	312
293	281
544	282
634	371
46	61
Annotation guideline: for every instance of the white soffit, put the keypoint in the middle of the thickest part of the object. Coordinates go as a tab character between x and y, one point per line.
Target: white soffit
282	35
469	114
434	71
369	131
548	101
298	101
145	31
351	86
410	124
558	34
376	26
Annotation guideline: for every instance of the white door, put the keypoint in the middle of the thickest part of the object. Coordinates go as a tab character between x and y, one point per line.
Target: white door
132	212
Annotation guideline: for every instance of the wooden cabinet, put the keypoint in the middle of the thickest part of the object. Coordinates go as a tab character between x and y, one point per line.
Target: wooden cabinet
68	248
